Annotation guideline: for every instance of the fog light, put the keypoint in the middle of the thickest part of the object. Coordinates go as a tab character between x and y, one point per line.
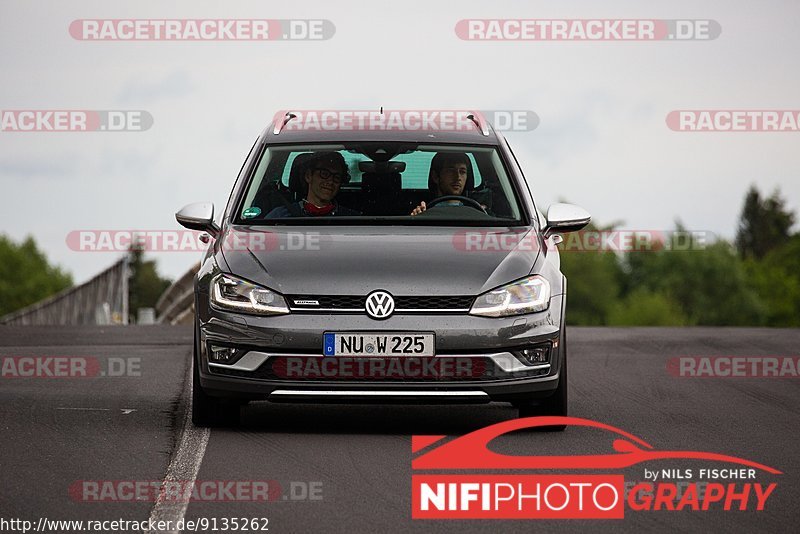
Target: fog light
536	355
221	354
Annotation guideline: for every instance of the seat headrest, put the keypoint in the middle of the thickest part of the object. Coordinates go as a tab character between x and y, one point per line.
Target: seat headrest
297	174
381	181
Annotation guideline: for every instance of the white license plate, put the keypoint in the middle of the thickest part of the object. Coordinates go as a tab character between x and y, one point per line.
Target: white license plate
377	344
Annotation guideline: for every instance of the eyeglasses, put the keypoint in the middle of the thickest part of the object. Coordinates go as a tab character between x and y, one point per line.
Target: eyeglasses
326	175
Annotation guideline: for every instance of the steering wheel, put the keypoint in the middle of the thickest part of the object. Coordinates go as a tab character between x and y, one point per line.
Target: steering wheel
472	203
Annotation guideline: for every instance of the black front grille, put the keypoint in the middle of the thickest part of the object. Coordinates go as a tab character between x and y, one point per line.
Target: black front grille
327	301
431	303
401	302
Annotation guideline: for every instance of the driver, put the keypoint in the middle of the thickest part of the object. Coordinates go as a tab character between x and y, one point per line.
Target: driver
325	173
449	172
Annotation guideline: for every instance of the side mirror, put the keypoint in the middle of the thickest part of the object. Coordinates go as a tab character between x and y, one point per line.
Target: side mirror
565	218
198	216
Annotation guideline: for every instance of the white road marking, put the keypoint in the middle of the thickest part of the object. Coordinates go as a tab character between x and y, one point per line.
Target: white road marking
87	409
125	411
185	463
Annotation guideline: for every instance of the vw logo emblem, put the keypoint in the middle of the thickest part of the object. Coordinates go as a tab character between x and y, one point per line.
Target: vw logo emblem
380	304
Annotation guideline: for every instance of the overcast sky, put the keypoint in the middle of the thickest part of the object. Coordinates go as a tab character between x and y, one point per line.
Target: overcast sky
602	142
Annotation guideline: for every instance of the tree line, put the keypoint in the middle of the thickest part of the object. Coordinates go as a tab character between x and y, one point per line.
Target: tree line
752	281
26	277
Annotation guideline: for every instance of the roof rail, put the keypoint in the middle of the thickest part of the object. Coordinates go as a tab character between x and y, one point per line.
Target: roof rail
480	122
280	123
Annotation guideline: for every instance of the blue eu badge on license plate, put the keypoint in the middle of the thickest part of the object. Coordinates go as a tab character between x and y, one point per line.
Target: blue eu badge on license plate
329	344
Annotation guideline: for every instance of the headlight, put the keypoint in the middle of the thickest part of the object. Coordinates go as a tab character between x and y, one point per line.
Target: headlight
529	295
231	293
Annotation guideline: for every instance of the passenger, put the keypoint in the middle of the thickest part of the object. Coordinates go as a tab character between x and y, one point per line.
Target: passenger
325	173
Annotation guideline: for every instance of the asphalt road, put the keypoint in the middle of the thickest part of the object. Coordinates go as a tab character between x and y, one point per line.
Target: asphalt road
348	468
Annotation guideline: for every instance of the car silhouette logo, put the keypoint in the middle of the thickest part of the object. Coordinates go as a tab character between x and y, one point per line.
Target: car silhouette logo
380	305
470	451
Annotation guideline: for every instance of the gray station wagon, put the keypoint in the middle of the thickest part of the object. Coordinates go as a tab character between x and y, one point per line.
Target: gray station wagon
381	266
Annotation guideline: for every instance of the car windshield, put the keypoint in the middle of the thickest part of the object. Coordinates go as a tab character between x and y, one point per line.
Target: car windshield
380	183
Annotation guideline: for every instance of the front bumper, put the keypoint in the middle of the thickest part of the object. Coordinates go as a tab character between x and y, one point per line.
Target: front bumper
480	353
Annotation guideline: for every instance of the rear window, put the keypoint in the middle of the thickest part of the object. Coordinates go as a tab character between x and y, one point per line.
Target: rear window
375	183
418	164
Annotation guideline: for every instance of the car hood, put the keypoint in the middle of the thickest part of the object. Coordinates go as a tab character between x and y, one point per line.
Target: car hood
402	261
